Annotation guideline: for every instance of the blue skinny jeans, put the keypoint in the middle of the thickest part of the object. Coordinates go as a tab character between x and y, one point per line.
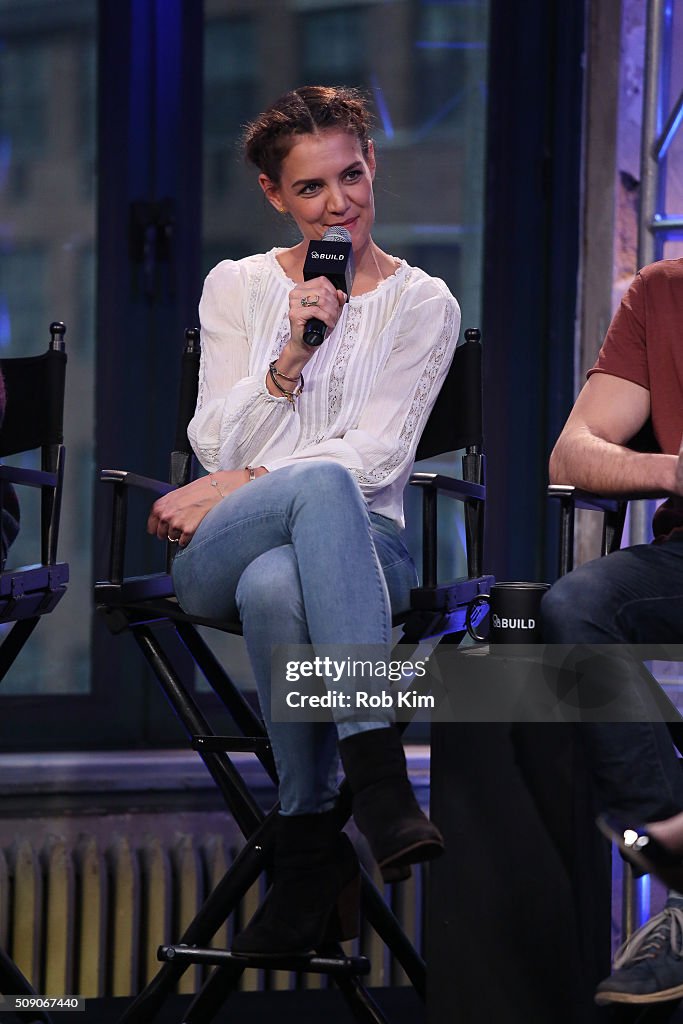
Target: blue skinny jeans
633	596
297	556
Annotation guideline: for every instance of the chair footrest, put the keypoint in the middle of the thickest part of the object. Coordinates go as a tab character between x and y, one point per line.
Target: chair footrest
224	744
337	966
447	597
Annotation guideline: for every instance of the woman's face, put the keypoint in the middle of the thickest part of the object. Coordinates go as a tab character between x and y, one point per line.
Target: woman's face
326	182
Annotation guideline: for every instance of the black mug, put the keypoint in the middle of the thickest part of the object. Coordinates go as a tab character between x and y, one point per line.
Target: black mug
514	613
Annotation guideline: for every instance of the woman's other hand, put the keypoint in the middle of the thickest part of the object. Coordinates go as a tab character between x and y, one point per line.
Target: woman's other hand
177	515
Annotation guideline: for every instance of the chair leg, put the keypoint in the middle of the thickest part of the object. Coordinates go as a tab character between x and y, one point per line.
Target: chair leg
223	980
13	981
239	800
215	910
221	902
244	716
213	994
13	643
363	1007
380	916
243	873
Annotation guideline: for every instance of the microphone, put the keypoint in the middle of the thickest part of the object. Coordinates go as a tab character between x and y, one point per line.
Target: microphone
331	257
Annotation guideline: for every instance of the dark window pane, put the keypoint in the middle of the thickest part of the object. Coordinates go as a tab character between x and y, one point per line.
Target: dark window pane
23	95
333	46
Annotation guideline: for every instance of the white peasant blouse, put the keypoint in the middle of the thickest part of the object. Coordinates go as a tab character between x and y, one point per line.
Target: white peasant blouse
368	389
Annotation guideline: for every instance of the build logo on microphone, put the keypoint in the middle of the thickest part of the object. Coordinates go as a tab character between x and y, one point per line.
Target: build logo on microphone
330	259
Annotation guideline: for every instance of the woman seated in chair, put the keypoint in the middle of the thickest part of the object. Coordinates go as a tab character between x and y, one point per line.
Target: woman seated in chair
297	529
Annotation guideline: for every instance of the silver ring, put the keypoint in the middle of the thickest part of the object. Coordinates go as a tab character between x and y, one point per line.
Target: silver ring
173	540
310	300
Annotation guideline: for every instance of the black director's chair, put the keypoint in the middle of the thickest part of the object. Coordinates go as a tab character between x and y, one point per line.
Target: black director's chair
33	421
141	604
613	512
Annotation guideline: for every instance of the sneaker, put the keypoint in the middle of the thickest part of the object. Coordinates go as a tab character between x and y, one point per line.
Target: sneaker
649	966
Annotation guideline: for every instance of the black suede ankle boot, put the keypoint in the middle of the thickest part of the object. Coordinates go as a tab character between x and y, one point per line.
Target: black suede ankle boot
384	805
314	898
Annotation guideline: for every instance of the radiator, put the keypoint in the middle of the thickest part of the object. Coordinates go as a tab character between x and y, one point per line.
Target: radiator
84	915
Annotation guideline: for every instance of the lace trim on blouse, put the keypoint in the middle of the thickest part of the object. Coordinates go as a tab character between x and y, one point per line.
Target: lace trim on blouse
417	408
207	456
254	292
202	381
282	338
341	362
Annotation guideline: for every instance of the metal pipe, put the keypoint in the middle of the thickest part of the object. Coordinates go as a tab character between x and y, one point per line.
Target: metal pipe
660	223
640	512
651	129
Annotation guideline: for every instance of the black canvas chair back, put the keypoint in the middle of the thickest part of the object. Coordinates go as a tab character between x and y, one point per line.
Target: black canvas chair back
33	421
182	455
456	421
34	413
140	604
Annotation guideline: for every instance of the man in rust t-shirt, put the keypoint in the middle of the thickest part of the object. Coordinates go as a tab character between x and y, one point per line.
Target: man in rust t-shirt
644	345
633	596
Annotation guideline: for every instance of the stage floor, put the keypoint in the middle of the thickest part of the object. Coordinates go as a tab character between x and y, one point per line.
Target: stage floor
400	1005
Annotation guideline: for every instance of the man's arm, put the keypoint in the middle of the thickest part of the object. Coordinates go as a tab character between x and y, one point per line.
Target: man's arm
590	451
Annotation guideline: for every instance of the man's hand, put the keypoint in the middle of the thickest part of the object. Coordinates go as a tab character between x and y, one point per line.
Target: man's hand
177	515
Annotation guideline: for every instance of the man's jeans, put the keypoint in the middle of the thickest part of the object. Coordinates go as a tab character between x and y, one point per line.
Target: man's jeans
634	596
299	559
